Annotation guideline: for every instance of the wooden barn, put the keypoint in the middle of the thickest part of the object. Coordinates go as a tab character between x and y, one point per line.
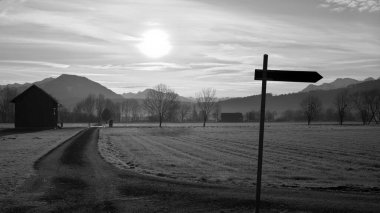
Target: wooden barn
34	108
232	117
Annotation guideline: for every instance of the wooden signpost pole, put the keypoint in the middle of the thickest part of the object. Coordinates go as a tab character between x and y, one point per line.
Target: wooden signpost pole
274	75
261	133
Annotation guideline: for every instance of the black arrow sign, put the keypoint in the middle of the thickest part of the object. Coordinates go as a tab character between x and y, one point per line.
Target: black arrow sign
286	75
274	75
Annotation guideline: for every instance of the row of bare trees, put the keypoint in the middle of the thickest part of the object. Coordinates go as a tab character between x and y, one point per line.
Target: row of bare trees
365	103
162	101
254	116
161	104
130	111
96	108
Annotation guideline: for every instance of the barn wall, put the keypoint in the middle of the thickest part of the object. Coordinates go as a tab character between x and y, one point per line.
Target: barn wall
35	109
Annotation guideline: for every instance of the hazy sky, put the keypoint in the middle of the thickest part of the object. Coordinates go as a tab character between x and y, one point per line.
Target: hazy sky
210	43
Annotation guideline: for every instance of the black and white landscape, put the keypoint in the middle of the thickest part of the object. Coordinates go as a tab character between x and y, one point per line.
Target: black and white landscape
157	106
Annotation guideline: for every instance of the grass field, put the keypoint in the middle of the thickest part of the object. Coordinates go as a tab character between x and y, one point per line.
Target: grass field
19	150
323	157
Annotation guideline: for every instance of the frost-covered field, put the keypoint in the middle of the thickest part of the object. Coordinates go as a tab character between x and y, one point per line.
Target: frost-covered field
65	125
295	155
18	152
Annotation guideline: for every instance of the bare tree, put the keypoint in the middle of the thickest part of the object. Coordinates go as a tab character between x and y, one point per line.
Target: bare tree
112	107
270	115
217	110
184	110
78	111
341	103
135	110
121	111
159	101
194	113
372	102
100	104
88	106
63	114
206	101
173	112
130	110
359	102
311	106
125	110
106	115
377	107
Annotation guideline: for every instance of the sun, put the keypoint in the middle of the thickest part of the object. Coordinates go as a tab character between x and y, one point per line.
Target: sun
155	43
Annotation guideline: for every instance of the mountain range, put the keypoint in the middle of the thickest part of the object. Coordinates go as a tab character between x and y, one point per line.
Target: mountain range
280	103
338	83
70	89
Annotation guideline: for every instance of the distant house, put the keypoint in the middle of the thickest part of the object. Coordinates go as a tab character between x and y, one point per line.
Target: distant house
232	117
34	108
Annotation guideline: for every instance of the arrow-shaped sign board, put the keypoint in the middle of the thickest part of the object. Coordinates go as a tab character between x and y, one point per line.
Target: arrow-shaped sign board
274	75
286	75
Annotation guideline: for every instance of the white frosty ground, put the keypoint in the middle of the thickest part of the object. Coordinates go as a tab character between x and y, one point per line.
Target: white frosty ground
18	152
295	155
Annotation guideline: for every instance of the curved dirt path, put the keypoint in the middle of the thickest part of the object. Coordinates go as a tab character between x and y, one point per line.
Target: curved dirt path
74	178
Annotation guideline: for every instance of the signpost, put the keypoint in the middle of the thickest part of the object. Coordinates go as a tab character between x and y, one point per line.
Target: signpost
286	75
274	75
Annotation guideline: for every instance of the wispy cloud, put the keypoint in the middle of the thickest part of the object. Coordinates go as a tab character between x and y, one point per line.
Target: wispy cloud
145	66
38	63
215	43
359	5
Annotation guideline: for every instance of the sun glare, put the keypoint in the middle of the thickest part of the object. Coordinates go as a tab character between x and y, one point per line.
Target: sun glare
155	43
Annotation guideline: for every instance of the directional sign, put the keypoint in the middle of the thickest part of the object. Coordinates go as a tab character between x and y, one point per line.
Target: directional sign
274	75
287	75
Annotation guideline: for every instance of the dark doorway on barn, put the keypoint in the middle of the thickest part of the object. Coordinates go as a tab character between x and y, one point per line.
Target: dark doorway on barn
34	108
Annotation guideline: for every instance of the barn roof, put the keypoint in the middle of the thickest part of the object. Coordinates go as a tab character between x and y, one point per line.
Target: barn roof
14	100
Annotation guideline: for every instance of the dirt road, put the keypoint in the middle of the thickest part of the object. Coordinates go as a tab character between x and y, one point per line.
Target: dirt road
74	178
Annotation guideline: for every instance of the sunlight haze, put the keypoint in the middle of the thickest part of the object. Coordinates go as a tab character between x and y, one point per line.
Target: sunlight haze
132	45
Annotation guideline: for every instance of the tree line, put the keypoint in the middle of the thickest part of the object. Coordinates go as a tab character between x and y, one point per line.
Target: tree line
361	106
160	105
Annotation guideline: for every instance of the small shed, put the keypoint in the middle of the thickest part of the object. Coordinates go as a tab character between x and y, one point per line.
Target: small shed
35	108
232	117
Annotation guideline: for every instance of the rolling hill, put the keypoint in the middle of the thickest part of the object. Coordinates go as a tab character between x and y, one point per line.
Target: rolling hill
70	89
337	84
280	103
